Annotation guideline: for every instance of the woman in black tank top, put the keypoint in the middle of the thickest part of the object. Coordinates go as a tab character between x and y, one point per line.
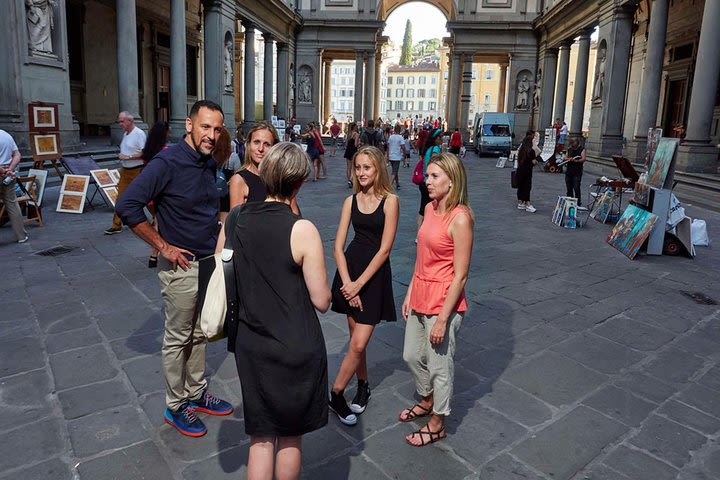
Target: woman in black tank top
246	186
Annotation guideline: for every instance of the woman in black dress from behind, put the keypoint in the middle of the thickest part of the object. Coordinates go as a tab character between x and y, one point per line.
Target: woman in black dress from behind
526	162
279	347
362	287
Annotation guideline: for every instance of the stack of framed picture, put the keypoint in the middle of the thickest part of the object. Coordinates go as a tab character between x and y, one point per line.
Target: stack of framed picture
44	135
565	213
107	182
72	193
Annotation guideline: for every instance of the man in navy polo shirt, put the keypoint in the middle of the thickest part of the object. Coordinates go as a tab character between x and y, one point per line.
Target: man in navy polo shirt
181	182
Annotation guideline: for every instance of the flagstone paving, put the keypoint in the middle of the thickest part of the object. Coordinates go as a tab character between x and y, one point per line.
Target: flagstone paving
573	362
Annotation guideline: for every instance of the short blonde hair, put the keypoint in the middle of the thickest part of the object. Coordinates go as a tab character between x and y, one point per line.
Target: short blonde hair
284	167
381	186
455	170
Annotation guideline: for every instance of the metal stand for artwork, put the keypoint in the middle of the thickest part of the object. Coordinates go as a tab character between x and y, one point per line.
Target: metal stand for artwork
660	206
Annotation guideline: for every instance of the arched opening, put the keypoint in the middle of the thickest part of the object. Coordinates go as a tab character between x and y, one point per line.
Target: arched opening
387	7
411	80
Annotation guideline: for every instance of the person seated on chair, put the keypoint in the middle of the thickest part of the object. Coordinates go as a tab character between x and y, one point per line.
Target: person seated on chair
9	159
575	157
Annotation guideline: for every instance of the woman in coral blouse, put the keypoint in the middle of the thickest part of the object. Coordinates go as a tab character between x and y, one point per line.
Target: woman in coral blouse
435	302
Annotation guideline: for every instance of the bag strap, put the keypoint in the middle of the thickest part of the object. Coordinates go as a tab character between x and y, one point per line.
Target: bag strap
229	270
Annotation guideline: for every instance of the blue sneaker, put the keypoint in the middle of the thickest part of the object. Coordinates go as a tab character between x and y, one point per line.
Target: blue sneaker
185	421
208	403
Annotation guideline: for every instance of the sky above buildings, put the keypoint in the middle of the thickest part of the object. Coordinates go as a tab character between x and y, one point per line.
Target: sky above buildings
427	22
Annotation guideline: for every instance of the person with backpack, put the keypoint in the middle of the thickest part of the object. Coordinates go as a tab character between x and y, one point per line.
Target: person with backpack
371	136
315	150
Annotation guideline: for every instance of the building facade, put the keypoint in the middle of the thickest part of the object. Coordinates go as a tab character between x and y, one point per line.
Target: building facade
656	65
413	90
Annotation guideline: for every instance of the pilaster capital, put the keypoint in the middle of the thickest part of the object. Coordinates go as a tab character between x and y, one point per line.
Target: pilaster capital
282	47
248	25
584	34
565	44
212	4
267	37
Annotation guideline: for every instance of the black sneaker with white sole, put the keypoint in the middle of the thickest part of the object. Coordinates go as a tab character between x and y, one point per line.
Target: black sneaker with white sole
340	407
362	396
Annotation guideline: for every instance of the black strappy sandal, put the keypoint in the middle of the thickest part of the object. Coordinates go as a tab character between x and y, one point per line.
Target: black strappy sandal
410	413
434	436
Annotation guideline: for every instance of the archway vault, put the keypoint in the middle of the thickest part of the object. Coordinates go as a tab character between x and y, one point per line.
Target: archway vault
447	7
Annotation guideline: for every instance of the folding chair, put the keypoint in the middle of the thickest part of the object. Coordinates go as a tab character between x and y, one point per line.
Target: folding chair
28	199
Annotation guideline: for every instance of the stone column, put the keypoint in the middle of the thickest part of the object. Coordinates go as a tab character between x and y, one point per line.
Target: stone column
696	154
452	94
652	73
327	111
178	69
503	87
562	80
606	117
268	75
581	71
549	70
249	76
214	46
370	86
378	91
357	110
465	99
283	79
127	63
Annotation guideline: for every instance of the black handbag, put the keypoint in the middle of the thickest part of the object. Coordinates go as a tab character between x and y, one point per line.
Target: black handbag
513	179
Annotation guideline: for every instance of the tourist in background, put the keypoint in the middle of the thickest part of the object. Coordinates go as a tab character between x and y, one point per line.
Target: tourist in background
435	302
279	346
334	135
431	147
526	161
575	157
156	141
455	142
131	160
395	154
9	160
351	147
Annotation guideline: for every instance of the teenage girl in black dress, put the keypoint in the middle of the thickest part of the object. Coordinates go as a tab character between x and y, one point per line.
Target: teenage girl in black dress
362	287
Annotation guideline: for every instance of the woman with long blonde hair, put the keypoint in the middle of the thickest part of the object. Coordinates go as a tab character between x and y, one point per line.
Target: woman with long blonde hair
435	302
362	287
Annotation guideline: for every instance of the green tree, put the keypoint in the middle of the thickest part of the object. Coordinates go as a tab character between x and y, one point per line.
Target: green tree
406	54
426	47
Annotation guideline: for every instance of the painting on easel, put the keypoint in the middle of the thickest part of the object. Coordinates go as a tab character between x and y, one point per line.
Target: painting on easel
661	162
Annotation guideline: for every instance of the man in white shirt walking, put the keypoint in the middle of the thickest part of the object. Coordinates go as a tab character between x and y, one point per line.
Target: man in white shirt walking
396	153
131	159
9	159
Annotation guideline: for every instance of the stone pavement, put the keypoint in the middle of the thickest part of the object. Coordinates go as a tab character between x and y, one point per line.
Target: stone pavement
573	362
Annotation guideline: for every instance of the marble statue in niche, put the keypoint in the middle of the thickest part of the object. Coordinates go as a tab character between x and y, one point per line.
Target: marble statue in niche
40	18
305	85
600	73
228	64
523	89
538	88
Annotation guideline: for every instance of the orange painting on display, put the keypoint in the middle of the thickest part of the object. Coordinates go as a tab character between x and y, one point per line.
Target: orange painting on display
46	144
75	183
71	202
